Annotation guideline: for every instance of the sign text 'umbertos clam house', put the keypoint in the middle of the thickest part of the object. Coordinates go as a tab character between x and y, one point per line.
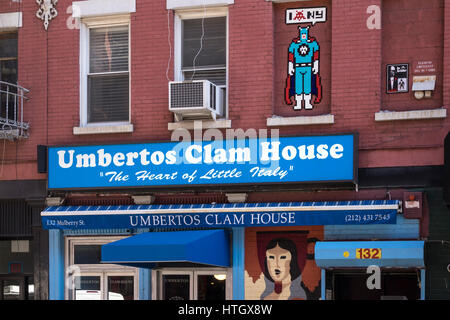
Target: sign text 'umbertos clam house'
315	159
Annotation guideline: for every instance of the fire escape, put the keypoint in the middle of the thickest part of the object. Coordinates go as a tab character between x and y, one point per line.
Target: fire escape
12	99
12	95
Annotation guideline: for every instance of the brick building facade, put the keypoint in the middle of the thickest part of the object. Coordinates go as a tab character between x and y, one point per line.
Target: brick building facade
400	139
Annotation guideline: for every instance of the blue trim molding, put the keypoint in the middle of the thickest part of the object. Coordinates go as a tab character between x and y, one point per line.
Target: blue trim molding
56	265
238	263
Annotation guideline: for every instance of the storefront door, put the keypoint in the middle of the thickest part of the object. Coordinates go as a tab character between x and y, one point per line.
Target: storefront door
193	284
103	286
393	286
88	279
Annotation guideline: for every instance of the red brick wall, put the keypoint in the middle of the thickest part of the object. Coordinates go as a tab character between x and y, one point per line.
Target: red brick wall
356	77
413	32
250	63
9	6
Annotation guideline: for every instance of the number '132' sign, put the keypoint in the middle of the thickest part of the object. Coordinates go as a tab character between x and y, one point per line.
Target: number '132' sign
368	253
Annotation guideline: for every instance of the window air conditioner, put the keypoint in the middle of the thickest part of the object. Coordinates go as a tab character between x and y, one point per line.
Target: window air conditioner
197	99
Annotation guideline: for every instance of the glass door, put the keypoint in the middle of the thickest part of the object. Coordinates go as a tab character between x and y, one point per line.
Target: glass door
193	284
176	285
210	286
86	286
120	287
103	286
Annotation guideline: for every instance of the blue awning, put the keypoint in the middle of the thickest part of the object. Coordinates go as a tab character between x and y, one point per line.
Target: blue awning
222	215
395	254
209	247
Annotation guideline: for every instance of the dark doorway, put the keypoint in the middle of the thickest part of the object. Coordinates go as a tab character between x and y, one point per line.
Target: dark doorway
398	286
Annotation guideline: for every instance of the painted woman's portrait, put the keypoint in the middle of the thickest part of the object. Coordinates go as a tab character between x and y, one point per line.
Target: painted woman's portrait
281	270
287	270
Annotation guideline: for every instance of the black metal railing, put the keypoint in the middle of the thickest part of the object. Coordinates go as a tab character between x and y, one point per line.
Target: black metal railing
12	98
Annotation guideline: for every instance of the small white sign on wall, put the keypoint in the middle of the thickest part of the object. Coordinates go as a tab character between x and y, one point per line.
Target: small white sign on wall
306	15
20	246
424	83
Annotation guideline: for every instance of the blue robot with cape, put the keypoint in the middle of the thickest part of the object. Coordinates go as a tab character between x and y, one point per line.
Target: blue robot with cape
303	79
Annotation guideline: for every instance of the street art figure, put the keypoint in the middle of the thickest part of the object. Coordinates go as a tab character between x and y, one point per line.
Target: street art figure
303	79
284	270
281	271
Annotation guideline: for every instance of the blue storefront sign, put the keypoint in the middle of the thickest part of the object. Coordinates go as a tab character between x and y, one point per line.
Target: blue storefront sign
222	215
318	159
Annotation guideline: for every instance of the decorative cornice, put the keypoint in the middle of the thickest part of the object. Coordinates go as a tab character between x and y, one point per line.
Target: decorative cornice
46	11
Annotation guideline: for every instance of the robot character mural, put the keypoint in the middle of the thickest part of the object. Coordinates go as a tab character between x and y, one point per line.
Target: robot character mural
303	79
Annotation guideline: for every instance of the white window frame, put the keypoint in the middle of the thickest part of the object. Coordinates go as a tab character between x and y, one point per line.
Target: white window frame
85	25
101	270
10	21
198	13
88	8
157	275
184	4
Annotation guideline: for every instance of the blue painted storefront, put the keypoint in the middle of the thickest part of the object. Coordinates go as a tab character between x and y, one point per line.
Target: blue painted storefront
57	274
403	229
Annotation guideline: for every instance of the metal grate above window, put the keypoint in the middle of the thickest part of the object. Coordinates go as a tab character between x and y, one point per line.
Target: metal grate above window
15	219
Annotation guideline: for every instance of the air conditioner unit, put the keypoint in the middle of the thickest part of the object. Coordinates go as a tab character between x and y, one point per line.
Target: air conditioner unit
197	99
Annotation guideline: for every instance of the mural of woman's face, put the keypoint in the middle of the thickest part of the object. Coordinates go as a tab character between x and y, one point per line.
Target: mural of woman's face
278	263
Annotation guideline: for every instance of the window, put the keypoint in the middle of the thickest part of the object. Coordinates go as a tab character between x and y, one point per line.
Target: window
204	59
88	279
8	73
108	77
105	71
201	47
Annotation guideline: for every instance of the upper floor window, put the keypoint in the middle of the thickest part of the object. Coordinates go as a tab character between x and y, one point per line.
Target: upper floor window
201	44
105	103
8	73
8	57
204	49
105	71
108	75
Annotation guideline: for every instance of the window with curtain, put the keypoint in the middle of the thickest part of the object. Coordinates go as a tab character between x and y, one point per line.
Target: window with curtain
108	77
